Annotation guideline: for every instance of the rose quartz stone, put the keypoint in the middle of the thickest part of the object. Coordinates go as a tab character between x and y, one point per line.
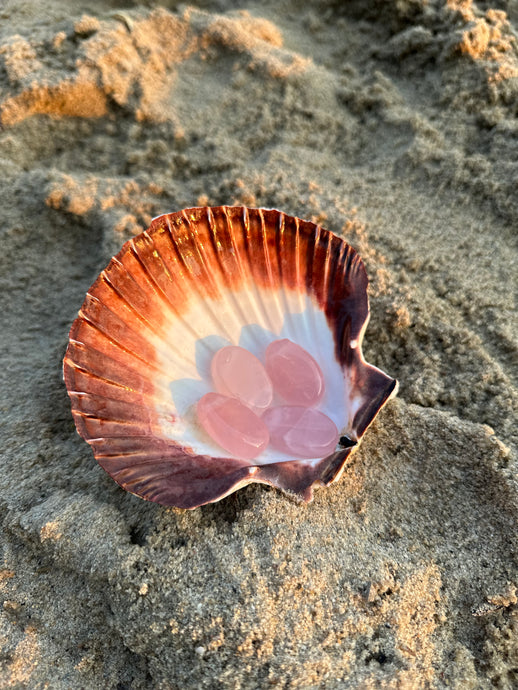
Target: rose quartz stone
232	425
301	431
238	373
295	375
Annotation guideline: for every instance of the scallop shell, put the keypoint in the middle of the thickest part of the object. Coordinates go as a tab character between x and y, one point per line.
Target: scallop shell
140	350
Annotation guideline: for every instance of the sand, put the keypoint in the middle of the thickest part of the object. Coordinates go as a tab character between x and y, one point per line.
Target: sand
394	125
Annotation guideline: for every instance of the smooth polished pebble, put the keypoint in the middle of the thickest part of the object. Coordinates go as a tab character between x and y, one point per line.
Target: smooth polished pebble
232	425
301	431
294	373
238	373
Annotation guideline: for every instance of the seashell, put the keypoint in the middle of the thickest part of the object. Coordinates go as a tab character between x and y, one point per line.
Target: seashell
140	351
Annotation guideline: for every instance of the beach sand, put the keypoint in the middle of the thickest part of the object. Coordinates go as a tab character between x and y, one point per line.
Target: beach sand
392	124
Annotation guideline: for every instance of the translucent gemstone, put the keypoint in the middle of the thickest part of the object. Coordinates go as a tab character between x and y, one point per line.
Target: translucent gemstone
232	425
301	431
295	375
239	374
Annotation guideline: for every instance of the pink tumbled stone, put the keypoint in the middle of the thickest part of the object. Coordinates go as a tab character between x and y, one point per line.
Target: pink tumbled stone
301	431
232	425
294	373
239	374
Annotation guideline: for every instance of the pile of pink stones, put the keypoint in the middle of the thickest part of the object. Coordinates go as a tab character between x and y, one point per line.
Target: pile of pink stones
242	416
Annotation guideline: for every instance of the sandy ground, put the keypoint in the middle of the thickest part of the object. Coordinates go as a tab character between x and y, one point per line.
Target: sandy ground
393	124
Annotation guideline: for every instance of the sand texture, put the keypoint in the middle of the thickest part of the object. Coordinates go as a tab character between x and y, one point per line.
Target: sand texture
392	123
